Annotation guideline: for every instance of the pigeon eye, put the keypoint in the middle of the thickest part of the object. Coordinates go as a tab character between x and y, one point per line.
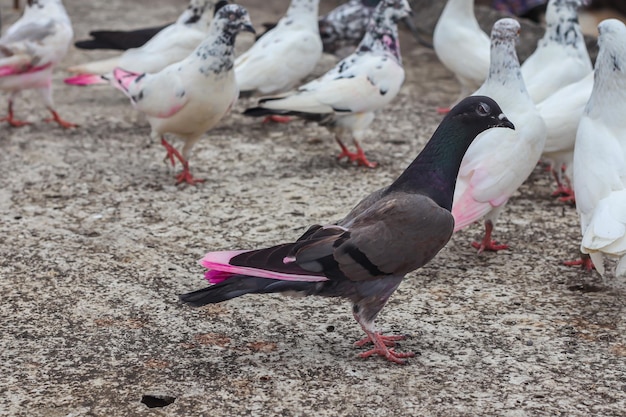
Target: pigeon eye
483	109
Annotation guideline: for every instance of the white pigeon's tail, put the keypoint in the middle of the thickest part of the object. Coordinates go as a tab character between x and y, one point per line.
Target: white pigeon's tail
101	67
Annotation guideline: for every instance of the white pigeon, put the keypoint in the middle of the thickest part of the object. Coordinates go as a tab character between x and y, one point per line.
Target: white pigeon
561	57
29	51
170	45
462	46
189	97
600	154
283	56
346	98
562	112
499	160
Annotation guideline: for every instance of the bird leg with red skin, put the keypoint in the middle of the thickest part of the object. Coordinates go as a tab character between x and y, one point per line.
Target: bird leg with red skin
185	175
56	118
383	345
13	122
487	244
564	191
358	156
171	152
584	262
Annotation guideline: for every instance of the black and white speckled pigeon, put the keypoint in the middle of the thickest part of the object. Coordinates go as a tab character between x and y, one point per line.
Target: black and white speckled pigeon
280	59
365	256
561	57
346	98
29	51
189	97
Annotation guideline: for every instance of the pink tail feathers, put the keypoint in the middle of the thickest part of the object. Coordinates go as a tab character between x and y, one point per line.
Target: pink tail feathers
220	269
21	69
85	79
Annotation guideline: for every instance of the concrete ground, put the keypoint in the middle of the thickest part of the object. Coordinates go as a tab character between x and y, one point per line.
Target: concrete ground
96	243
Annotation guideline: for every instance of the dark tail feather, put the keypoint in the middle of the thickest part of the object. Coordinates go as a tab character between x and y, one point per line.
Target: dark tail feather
260	112
312	117
118	39
239	285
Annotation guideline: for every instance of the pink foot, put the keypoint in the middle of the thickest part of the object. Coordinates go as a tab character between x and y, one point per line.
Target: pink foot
14	122
274	118
381	348
443	110
186	176
57	119
487	244
358	156
490	246
584	262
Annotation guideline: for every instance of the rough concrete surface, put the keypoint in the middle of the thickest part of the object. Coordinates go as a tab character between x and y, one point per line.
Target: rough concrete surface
96	242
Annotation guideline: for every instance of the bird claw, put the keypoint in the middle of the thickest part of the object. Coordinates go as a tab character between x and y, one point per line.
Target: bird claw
383	346
389	354
57	119
584	262
186	177
358	157
565	194
14	122
490	246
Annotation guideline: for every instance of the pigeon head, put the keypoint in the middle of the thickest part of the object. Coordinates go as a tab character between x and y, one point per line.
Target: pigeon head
197	10
479	113
504	30
504	68
610	71
434	170
394	9
382	30
562	21
233	18
612	41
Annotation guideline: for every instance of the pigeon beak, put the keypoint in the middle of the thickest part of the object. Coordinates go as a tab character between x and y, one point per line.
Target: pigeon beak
247	27
408	22
504	122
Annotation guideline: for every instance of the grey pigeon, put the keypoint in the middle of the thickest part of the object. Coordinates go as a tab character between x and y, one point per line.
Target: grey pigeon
365	256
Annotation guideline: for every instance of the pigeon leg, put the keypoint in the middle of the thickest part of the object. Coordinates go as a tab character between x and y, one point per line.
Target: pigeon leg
564	191
345	153
56	118
443	110
275	118
13	122
186	176
584	262
171	152
358	156
487	244
381	344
